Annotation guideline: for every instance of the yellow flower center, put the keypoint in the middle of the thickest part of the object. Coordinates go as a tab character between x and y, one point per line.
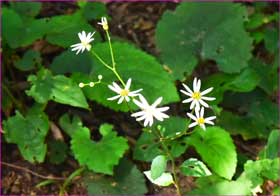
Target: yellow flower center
124	92
196	95
200	121
105	27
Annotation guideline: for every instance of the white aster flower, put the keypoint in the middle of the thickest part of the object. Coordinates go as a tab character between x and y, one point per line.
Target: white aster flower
85	42
123	93
199	118
104	23
197	97
149	112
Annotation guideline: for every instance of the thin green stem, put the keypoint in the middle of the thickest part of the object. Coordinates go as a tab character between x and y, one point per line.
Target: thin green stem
173	165
100	59
111	49
16	102
118	76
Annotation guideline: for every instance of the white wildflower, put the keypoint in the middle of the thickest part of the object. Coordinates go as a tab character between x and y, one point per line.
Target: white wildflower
197	97
123	93
149	112
85	42
104	23
199	118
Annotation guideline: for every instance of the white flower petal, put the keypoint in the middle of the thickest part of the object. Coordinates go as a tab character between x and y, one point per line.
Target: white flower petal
193	124
186	93
208	122
128	83
197	112
194	83
157	102
187	88
127	98
203	103
193	104
114	89
202	112
113	98
117	87
163	109
136	114
203	127
198	85
208	98
121	100
210	118
187	100
192	116
206	91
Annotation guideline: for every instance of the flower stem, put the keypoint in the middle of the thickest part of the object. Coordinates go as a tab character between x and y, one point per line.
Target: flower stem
173	165
111	49
100	59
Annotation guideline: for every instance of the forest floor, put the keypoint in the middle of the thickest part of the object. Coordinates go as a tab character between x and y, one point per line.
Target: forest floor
132	21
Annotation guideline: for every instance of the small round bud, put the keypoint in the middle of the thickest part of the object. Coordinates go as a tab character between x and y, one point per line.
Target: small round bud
81	85
100	77
91	84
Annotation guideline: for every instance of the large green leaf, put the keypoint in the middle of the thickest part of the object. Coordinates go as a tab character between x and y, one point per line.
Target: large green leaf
27	9
127	180
203	30
216	149
148	145
143	69
271	150
57	88
19	33
29	134
69	62
63	30
99	156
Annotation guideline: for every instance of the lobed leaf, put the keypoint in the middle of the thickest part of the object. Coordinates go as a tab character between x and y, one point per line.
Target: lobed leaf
58	88
28	133
184	36
99	156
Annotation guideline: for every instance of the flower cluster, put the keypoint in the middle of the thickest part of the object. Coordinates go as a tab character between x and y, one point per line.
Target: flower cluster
148	112
197	100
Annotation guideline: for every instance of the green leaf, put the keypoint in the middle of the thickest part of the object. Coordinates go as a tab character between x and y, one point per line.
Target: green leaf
70	125
29	134
258	171
58	88
94	10
99	156
148	146
69	62
63	30
184	36
158	166
246	81
194	167
29	60
241	125
19	33
28	9
271	39
57	151
164	180
216	149
127	180
271	150
225	188
145	71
